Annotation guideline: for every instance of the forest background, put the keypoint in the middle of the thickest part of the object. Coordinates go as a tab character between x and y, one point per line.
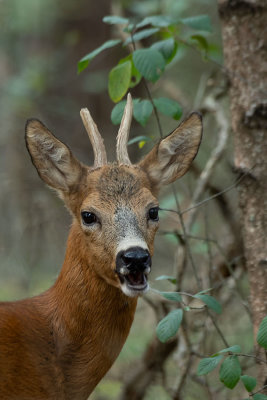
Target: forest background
41	45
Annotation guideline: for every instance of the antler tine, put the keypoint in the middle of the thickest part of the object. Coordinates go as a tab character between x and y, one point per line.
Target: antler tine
123	134
95	138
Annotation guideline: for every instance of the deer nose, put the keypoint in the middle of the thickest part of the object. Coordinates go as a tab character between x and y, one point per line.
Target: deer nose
134	259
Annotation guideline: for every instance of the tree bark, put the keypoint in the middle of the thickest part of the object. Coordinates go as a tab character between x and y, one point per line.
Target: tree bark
244	32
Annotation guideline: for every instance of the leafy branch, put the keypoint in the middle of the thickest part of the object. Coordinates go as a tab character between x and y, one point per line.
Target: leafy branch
149	63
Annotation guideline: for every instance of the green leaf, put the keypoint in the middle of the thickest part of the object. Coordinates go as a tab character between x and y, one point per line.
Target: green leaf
82	65
114	19
204	291
150	63
145	33
117	112
161	21
262	334
233	349
210	301
259	396
135	74
129	28
199	22
172	296
207	365
169	325
84	62
167	277
139	139
168	107
230	372
142	111
119	81
167	47
201	42
249	382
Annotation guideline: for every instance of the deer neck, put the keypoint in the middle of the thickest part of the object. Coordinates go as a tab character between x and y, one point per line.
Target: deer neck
91	319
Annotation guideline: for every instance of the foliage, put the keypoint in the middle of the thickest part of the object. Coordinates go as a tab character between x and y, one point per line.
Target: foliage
85	61
150	61
169	325
207	365
262	334
230	372
249	382
230	369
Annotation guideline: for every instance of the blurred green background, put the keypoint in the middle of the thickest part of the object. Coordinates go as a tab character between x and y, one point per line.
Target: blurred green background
41	42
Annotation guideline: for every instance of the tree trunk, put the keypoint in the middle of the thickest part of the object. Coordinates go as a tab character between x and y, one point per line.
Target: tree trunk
244	31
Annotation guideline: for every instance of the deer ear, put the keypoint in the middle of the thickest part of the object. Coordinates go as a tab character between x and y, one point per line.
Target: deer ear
53	160
172	156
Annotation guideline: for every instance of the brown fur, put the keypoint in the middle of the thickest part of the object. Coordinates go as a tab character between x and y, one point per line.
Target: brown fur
58	345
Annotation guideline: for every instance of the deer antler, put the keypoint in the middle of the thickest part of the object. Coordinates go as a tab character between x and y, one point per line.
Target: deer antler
123	134
95	138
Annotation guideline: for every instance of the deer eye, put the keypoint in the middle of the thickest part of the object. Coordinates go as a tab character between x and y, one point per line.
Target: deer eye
153	213
88	218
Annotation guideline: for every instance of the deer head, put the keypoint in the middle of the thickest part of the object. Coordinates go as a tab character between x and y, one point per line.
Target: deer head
114	206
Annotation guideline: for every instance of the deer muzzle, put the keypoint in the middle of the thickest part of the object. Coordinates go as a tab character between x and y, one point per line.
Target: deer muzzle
132	266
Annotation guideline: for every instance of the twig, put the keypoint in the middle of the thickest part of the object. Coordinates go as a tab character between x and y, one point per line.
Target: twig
148	92
186	242
197	277
200	203
208	244
180	236
217	328
184	367
154	107
260	360
177	393
202	182
201	90
260	390
214	158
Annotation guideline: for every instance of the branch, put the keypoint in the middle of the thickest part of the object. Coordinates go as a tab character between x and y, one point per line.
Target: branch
260	390
139	378
260	360
205	175
177	393
213	106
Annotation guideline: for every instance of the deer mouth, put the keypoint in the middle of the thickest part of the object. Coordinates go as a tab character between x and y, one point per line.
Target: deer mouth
133	283
135	280
132	267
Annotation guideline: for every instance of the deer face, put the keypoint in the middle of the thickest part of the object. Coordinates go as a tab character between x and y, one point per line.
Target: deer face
119	219
115	206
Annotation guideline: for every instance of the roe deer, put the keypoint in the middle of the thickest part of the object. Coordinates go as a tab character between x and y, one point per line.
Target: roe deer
58	345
